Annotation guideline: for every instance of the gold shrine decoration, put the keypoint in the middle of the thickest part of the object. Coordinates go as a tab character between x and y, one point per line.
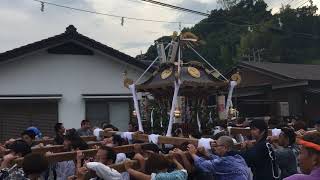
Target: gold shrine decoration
126	81
177	113
194	72
236	77
189	37
166	73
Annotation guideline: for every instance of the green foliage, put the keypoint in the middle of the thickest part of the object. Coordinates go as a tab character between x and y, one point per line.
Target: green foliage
247	30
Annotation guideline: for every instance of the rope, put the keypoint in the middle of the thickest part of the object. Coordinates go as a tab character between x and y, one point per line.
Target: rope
149	67
189	45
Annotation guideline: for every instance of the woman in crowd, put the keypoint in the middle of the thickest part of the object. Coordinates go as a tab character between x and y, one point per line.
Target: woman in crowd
72	141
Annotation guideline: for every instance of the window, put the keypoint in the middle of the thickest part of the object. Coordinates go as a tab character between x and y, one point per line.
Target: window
113	111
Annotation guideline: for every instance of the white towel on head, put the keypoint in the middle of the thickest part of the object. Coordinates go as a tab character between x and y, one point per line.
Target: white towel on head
96	133
276	132
169	146
153	138
128	136
121	157
205	142
104	171
234	141
216	130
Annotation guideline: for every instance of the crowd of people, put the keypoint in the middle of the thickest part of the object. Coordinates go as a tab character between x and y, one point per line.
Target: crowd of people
292	154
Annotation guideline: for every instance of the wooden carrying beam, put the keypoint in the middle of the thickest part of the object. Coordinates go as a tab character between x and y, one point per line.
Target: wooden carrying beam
161	140
120	167
58	148
63	156
51	140
89	138
170	140
244	131
165	139
135	165
57	156
53	149
125	148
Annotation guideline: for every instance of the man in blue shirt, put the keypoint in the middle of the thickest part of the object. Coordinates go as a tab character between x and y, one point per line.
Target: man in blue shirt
225	165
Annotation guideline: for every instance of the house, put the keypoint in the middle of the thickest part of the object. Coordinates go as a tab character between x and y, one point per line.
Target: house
278	89
65	78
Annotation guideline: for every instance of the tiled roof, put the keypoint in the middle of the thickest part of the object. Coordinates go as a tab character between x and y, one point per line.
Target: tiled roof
70	34
292	71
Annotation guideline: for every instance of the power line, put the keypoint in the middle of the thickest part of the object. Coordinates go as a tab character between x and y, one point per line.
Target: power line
303	4
177	7
291	1
111	15
298	2
149	4
141	19
146	20
288	3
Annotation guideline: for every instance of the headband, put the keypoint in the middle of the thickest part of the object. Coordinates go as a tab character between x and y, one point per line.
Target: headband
309	145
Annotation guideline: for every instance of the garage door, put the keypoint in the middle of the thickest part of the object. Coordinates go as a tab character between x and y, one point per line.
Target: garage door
17	115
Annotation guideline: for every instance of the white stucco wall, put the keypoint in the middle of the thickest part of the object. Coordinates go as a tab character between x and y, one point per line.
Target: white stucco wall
69	75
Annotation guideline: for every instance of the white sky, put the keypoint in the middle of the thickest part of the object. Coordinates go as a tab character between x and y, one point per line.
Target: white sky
22	22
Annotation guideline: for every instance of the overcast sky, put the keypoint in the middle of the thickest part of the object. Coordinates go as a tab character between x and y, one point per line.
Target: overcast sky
22	22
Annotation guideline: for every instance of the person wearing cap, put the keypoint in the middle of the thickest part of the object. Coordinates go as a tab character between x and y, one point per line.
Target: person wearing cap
37	132
260	156
309	157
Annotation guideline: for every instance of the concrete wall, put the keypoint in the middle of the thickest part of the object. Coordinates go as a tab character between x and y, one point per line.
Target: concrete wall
69	75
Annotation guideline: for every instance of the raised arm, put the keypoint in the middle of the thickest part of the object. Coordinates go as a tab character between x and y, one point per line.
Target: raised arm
136	174
186	163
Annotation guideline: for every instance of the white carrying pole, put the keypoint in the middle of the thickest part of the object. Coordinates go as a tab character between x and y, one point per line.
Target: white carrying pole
199	123
161	53
229	99
221	107
151	118
136	105
173	105
134	93
174	99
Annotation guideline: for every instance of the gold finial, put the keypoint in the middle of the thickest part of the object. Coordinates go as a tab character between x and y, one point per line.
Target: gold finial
126	80
175	34
236	77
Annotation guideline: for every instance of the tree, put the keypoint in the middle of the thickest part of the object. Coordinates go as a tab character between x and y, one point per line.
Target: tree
227	4
247	30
